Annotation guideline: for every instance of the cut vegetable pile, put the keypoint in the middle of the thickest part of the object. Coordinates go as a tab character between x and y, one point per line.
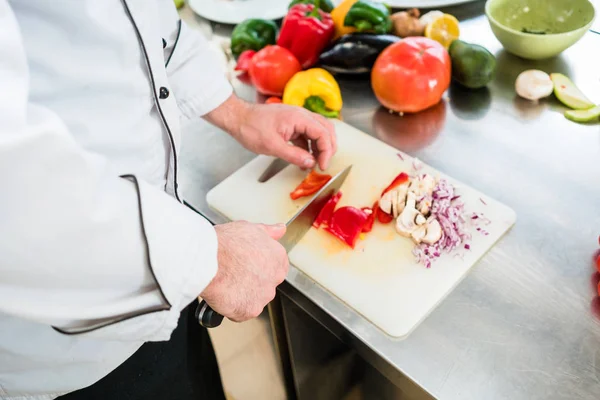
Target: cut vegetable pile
421	207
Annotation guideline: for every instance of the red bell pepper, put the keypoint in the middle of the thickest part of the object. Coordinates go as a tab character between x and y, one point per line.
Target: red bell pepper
399	180
371	213
310	185
324	217
347	224
382	216
243	63
305	31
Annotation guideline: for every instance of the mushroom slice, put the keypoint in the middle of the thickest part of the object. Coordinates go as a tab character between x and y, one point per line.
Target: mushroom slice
424	205
419	234
405	224
402	192
420	220
385	203
423	186
434	231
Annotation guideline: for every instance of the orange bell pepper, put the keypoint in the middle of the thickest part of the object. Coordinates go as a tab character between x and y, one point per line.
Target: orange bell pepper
338	15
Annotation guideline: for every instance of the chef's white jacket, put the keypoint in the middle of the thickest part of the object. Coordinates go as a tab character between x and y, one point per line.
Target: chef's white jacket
97	253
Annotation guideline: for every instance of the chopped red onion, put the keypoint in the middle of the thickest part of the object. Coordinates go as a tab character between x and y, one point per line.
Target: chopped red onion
483	201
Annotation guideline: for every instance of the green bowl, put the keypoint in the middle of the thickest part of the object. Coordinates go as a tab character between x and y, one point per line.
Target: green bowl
538	29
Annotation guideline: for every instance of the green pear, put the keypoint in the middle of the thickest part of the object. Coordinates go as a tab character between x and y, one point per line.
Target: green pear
589	115
568	94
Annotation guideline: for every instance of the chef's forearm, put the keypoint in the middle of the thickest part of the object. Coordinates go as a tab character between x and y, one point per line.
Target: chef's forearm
230	115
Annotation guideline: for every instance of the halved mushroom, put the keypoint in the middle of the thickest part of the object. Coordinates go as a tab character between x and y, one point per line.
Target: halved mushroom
434	231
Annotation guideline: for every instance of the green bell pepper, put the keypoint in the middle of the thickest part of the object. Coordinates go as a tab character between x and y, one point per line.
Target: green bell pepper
369	16
252	34
325	5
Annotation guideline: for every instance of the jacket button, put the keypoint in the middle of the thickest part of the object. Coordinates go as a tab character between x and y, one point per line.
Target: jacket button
163	93
164	43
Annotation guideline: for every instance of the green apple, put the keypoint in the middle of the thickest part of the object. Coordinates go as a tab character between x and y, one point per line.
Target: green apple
568	94
589	115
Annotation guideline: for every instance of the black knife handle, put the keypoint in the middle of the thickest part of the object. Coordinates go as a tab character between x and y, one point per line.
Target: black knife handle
207	317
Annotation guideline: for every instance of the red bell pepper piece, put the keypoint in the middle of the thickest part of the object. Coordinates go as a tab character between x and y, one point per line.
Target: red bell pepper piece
371	213
399	180
273	100
347	224
305	31
324	217
310	185
244	60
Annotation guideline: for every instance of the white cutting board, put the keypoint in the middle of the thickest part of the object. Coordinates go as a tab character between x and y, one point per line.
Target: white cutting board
380	278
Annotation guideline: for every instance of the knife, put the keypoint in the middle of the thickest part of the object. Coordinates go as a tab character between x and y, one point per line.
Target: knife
296	228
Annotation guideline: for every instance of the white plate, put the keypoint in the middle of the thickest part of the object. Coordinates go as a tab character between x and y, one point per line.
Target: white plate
235	11
423	3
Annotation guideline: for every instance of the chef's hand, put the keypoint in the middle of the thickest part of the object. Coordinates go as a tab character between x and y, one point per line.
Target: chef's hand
269	128
252	264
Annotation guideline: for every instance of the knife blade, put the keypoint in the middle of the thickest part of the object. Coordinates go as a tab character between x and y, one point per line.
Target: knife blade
296	228
276	166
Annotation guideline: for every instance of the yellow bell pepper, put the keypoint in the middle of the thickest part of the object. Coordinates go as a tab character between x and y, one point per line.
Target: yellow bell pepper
338	15
316	90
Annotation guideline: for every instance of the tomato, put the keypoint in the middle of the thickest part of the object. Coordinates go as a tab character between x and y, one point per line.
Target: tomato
411	75
271	69
598	262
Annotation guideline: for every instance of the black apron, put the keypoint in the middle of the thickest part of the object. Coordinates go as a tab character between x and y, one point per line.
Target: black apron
184	368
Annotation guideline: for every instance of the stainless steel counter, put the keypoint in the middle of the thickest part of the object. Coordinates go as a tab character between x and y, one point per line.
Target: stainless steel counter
523	324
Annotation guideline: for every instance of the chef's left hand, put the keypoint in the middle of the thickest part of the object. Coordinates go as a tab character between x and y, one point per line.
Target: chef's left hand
269	128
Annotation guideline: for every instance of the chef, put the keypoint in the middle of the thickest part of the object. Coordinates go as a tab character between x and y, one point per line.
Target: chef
100	262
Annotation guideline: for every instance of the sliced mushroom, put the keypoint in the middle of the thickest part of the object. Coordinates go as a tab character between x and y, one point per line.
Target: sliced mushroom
402	192
424	205
405	224
419	234
395	211
385	203
434	231
420	220
423	186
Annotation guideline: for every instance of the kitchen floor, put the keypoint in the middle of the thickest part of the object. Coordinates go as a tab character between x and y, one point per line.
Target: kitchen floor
248	362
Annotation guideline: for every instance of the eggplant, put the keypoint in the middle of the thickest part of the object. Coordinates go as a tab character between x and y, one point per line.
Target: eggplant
355	53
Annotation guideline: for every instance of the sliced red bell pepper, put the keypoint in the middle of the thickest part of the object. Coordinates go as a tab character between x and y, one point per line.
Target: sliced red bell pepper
324	217
347	224
399	180
305	31
371	213
310	185
244	60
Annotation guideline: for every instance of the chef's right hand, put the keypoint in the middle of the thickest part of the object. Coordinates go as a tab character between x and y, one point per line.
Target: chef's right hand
252	264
